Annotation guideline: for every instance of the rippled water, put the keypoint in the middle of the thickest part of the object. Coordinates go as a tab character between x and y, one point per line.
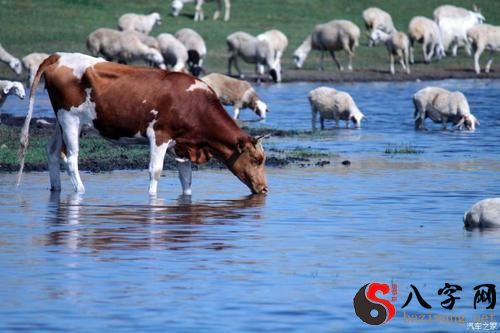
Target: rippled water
291	261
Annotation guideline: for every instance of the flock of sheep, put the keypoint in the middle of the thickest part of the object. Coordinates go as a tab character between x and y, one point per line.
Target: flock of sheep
185	50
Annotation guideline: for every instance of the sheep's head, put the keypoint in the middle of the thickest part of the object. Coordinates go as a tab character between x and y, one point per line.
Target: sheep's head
156	58
176	7
298	58
356	118
16	65
378	36
261	109
470	122
14	88
157	18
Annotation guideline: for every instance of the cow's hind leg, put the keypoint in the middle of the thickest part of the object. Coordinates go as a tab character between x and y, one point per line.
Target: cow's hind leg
185	175
54	157
157	156
70	126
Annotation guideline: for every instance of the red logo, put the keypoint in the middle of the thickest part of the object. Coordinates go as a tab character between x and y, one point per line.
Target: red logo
370	308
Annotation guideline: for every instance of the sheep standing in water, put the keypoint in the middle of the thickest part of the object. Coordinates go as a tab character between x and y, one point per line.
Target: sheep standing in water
141	23
10	60
236	92
483	214
333	104
444	107
253	51
332	36
11	88
196	49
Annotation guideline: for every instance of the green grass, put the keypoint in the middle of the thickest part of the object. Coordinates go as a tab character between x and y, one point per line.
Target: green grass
63	25
402	149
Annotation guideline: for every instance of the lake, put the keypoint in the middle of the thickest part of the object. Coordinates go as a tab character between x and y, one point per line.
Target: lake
114	259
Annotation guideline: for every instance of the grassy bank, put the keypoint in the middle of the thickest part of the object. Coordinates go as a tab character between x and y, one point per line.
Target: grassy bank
63	25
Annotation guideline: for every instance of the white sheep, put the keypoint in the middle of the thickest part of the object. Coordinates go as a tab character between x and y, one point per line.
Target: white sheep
397	44
31	62
10	60
278	42
173	51
454	22
253	51
332	36
333	104
443	106
123	46
11	88
141	23
199	15
483	214
238	93
424	30
196	49
377	19
484	37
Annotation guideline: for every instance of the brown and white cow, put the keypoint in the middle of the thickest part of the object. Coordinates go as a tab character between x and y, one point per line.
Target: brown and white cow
172	111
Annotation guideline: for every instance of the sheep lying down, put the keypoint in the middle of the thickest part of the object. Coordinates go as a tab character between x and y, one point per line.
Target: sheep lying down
333	104
443	106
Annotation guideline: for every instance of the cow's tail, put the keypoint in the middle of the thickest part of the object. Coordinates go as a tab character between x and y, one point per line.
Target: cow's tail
23	144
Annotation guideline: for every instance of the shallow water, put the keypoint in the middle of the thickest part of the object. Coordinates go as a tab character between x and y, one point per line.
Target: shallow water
291	261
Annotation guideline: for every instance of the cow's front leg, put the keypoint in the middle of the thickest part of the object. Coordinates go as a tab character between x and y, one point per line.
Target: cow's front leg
70	127
156	158
185	174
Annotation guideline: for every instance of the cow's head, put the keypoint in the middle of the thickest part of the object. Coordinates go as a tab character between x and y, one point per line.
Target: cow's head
247	163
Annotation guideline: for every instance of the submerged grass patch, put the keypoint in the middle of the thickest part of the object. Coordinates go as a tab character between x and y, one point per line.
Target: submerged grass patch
402	149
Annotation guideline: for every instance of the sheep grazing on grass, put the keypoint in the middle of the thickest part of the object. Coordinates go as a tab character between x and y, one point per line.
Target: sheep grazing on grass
123	46
426	31
238	93
10	60
332	36
174	52
31	62
397	44
484	37
253	51
333	104
483	214
8	88
278	42
141	23
377	19
454	22
444	107
196	49
199	15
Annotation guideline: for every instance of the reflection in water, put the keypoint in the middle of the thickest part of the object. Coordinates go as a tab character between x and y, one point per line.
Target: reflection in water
158	225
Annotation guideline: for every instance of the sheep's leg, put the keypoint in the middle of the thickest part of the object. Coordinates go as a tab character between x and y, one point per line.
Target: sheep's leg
412	59
349	48
237	66
336	61
314	117
54	157
430	53
454	49
322	122
419	114
217	12
199	15
391	63
185	175
70	124
477	55
445	123
236	112
227	10
490	61
321	64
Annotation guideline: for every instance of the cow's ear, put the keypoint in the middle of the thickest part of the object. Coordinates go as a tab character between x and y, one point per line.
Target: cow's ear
259	138
240	146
